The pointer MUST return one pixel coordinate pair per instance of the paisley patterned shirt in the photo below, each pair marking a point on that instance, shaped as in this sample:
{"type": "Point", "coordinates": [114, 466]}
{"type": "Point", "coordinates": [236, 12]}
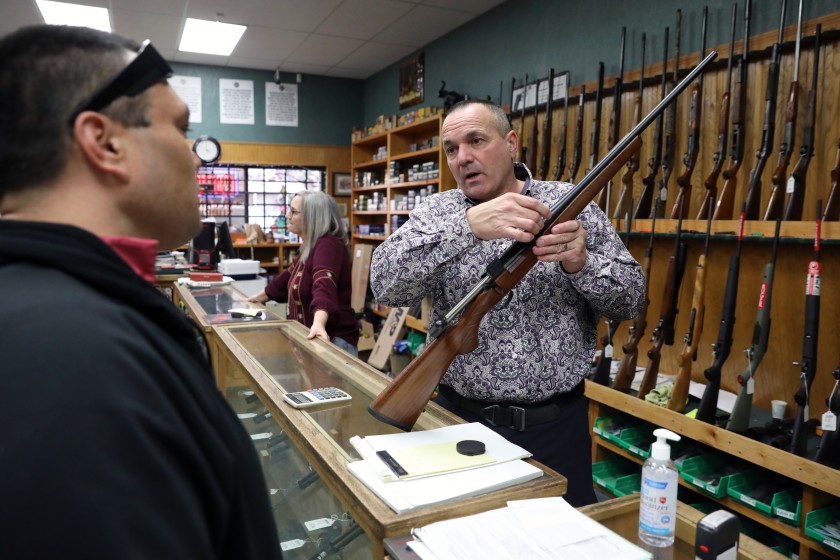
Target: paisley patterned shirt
{"type": "Point", "coordinates": [539, 344]}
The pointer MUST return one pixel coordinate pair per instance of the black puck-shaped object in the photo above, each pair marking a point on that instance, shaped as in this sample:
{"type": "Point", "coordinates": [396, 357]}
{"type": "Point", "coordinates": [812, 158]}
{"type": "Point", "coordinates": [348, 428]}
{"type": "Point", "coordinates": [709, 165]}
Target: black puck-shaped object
{"type": "Point", "coordinates": [469, 447]}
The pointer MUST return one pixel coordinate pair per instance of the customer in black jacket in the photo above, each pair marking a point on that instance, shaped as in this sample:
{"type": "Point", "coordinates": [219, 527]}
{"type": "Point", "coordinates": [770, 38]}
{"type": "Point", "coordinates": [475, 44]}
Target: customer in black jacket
{"type": "Point", "coordinates": [114, 442]}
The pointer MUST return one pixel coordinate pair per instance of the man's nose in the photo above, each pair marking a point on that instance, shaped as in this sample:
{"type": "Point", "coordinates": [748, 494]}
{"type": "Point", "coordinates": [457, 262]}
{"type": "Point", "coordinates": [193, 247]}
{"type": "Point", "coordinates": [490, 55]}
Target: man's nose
{"type": "Point", "coordinates": [465, 155]}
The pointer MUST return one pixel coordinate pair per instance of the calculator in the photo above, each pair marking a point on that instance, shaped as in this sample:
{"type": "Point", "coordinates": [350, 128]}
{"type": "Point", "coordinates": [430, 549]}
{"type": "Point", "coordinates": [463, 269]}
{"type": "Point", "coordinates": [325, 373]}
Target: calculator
{"type": "Point", "coordinates": [312, 397]}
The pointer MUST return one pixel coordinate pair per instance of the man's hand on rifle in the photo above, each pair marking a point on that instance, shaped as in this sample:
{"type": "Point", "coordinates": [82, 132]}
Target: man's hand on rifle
{"type": "Point", "coordinates": [564, 243]}
{"type": "Point", "coordinates": [509, 216]}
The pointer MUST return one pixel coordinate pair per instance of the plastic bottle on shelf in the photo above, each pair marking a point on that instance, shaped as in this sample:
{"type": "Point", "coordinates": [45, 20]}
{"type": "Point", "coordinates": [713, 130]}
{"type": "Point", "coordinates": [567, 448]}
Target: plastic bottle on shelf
{"type": "Point", "coordinates": [658, 500]}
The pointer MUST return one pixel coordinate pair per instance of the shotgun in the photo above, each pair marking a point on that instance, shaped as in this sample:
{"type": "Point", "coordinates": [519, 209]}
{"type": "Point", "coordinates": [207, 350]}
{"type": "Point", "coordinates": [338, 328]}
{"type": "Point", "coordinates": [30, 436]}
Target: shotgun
{"type": "Point", "coordinates": [753, 198]}
{"type": "Point", "coordinates": [739, 419]}
{"type": "Point", "coordinates": [512, 100]}
{"type": "Point", "coordinates": [561, 137]}
{"type": "Point", "coordinates": [545, 156]}
{"type": "Point", "coordinates": [808, 365]}
{"type": "Point", "coordinates": [645, 205]}
{"type": "Point", "coordinates": [625, 204]}
{"type": "Point", "coordinates": [828, 452]}
{"type": "Point", "coordinates": [776, 204]}
{"type": "Point", "coordinates": [615, 124]}
{"type": "Point", "coordinates": [710, 196]}
{"type": "Point", "coordinates": [403, 400]}
{"type": "Point", "coordinates": [832, 207]}
{"type": "Point", "coordinates": [670, 126]}
{"type": "Point", "coordinates": [726, 201]}
{"type": "Point", "coordinates": [577, 147]}
{"type": "Point", "coordinates": [707, 411]}
{"type": "Point", "coordinates": [522, 149]}
{"type": "Point", "coordinates": [796, 183]}
{"type": "Point", "coordinates": [683, 199]}
{"type": "Point", "coordinates": [595, 133]}
{"type": "Point", "coordinates": [679, 394]}
{"type": "Point", "coordinates": [531, 155]}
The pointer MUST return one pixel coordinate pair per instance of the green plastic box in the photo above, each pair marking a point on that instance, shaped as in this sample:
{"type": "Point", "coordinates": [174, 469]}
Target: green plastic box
{"type": "Point", "coordinates": [787, 506]}
{"type": "Point", "coordinates": [818, 517]}
{"type": "Point", "coordinates": [607, 473]}
{"type": "Point", "coordinates": [694, 467]}
{"type": "Point", "coordinates": [604, 426]}
{"type": "Point", "coordinates": [740, 487]}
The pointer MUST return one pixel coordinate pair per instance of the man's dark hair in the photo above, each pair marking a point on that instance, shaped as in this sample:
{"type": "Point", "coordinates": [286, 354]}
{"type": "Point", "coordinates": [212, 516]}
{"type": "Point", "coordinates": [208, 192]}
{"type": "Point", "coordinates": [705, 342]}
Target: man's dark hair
{"type": "Point", "coordinates": [497, 114]}
{"type": "Point", "coordinates": [45, 72]}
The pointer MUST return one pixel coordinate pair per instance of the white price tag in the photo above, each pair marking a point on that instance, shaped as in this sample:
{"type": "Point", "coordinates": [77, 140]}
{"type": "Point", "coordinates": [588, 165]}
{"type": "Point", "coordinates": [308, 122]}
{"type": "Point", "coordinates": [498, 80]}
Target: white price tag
{"type": "Point", "coordinates": [608, 351]}
{"type": "Point", "coordinates": [273, 491]}
{"type": "Point", "coordinates": [805, 413]}
{"type": "Point", "coordinates": [292, 544]}
{"type": "Point", "coordinates": [791, 184]}
{"type": "Point", "coordinates": [751, 386]}
{"type": "Point", "coordinates": [829, 422]}
{"type": "Point", "coordinates": [315, 524]}
{"type": "Point", "coordinates": [246, 415]}
{"type": "Point", "coordinates": [260, 436]}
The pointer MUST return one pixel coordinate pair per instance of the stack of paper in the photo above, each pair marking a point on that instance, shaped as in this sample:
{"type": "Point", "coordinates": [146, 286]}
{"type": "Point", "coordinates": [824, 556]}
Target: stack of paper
{"type": "Point", "coordinates": [432, 471]}
{"type": "Point", "coordinates": [537, 529]}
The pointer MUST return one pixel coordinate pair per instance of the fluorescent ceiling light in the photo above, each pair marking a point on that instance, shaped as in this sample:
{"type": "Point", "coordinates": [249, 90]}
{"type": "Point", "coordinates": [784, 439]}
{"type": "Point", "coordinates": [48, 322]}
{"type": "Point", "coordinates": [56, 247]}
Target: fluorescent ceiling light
{"type": "Point", "coordinates": [62, 13]}
{"type": "Point", "coordinates": [210, 37]}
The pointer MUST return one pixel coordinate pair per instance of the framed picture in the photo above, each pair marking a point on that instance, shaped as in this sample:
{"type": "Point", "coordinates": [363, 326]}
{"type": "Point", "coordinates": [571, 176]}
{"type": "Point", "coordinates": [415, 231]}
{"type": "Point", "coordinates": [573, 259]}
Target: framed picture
{"type": "Point", "coordinates": [342, 184]}
{"type": "Point", "coordinates": [411, 81]}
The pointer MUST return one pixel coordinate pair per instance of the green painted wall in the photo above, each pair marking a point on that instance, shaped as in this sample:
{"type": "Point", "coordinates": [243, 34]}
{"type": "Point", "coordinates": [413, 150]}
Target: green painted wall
{"type": "Point", "coordinates": [328, 108]}
{"type": "Point", "coordinates": [530, 36]}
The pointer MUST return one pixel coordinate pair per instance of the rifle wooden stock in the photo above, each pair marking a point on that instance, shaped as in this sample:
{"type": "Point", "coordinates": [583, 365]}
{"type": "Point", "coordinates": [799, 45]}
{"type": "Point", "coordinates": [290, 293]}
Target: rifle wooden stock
{"type": "Point", "coordinates": [561, 154]}
{"type": "Point", "coordinates": [403, 400]}
{"type": "Point", "coordinates": [726, 201]}
{"type": "Point", "coordinates": [531, 155]}
{"type": "Point", "coordinates": [776, 204]}
{"type": "Point", "coordinates": [683, 199]}
{"type": "Point", "coordinates": [832, 207]}
{"type": "Point", "coordinates": [720, 154]}
{"type": "Point", "coordinates": [627, 367]}
{"type": "Point", "coordinates": [667, 308]}
{"type": "Point", "coordinates": [577, 146]}
{"type": "Point", "coordinates": [679, 394]}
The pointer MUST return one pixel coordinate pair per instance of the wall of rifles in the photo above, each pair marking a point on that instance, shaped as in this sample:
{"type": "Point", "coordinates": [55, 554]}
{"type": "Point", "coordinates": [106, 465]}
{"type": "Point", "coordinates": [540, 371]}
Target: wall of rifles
{"type": "Point", "coordinates": [800, 114]}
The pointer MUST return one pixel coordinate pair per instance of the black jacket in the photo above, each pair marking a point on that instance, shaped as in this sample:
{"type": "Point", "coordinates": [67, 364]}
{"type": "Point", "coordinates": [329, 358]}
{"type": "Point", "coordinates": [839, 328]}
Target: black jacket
{"type": "Point", "coordinates": [114, 442]}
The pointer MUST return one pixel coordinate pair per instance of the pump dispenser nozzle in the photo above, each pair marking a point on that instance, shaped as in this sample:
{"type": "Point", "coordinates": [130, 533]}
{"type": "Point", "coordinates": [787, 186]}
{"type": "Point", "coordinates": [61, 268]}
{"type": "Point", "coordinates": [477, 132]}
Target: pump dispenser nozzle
{"type": "Point", "coordinates": [660, 450]}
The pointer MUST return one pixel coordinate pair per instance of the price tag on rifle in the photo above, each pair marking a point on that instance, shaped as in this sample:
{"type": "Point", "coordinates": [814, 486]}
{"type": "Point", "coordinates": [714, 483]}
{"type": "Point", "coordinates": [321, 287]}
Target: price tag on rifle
{"type": "Point", "coordinates": [292, 544]}
{"type": "Point", "coordinates": [791, 185]}
{"type": "Point", "coordinates": [608, 351]}
{"type": "Point", "coordinates": [829, 422]}
{"type": "Point", "coordinates": [315, 524]}
{"type": "Point", "coordinates": [751, 386]}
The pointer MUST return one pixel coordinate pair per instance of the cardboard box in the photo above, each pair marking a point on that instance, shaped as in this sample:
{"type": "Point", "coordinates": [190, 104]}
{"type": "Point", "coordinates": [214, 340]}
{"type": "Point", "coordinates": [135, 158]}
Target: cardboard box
{"type": "Point", "coordinates": [360, 275]}
{"type": "Point", "coordinates": [392, 331]}
{"type": "Point", "coordinates": [206, 276]}
{"type": "Point", "coordinates": [399, 362]}
{"type": "Point", "coordinates": [366, 338]}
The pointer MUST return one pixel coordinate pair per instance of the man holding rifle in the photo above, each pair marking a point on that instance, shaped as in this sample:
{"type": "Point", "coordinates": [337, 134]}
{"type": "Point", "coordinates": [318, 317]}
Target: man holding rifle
{"type": "Point", "coordinates": [524, 379]}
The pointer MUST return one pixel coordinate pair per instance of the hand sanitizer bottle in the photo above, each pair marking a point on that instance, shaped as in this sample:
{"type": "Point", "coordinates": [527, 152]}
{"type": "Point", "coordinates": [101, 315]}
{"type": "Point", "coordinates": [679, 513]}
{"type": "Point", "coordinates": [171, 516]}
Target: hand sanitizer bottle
{"type": "Point", "coordinates": [658, 500]}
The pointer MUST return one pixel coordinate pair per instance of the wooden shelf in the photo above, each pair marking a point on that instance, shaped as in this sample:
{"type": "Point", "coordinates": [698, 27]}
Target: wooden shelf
{"type": "Point", "coordinates": [414, 184]}
{"type": "Point", "coordinates": [416, 154]}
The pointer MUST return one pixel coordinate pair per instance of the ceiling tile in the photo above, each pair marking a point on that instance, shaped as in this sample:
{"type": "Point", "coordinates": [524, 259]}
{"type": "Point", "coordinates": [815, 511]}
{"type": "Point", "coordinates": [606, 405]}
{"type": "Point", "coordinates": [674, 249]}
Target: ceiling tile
{"type": "Point", "coordinates": [371, 55]}
{"type": "Point", "coordinates": [474, 7]}
{"type": "Point", "coordinates": [324, 50]}
{"type": "Point", "coordinates": [422, 25]}
{"type": "Point", "coordinates": [294, 15]}
{"type": "Point", "coordinates": [164, 31]}
{"type": "Point", "coordinates": [362, 19]}
{"type": "Point", "coordinates": [268, 43]}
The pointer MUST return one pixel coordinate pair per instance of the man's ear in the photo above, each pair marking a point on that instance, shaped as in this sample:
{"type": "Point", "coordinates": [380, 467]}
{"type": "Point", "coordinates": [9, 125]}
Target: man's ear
{"type": "Point", "coordinates": [102, 143]}
{"type": "Point", "coordinates": [512, 140]}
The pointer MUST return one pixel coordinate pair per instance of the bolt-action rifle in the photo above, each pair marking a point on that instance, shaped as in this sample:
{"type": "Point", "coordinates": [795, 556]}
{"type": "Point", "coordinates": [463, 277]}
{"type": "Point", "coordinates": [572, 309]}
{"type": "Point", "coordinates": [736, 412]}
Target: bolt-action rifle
{"type": "Point", "coordinates": [561, 139]}
{"type": "Point", "coordinates": [615, 124]}
{"type": "Point", "coordinates": [753, 198]}
{"type": "Point", "coordinates": [832, 207]}
{"type": "Point", "coordinates": [577, 147]}
{"type": "Point", "coordinates": [531, 157]}
{"type": "Point", "coordinates": [808, 365]}
{"type": "Point", "coordinates": [775, 206]}
{"type": "Point", "coordinates": [726, 201]}
{"type": "Point", "coordinates": [595, 133]}
{"type": "Point", "coordinates": [719, 156]}
{"type": "Point", "coordinates": [645, 205]}
{"type": "Point", "coordinates": [624, 204]}
{"type": "Point", "coordinates": [523, 150]}
{"type": "Point", "coordinates": [739, 419]}
{"type": "Point", "coordinates": [692, 150]}
{"type": "Point", "coordinates": [707, 410]}
{"type": "Point", "coordinates": [546, 146]}
{"type": "Point", "coordinates": [670, 127]}
{"type": "Point", "coordinates": [402, 401]}
{"type": "Point", "coordinates": [828, 452]}
{"type": "Point", "coordinates": [679, 394]}
{"type": "Point", "coordinates": [796, 183]}
{"type": "Point", "coordinates": [663, 333]}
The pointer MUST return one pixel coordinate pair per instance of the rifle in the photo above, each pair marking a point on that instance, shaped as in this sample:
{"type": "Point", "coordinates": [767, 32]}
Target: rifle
{"type": "Point", "coordinates": [739, 419]}
{"type": "Point", "coordinates": [692, 150]}
{"type": "Point", "coordinates": [723, 209]}
{"type": "Point", "coordinates": [775, 205]}
{"type": "Point", "coordinates": [561, 140]}
{"type": "Point", "coordinates": [532, 141]}
{"type": "Point", "coordinates": [601, 375]}
{"type": "Point", "coordinates": [753, 198]}
{"type": "Point", "coordinates": [832, 207]}
{"type": "Point", "coordinates": [615, 124]}
{"type": "Point", "coordinates": [664, 331]}
{"type": "Point", "coordinates": [523, 150]}
{"type": "Point", "coordinates": [828, 452]}
{"type": "Point", "coordinates": [627, 368]}
{"type": "Point", "coordinates": [679, 394]}
{"type": "Point", "coordinates": [808, 365]}
{"type": "Point", "coordinates": [402, 401]}
{"type": "Point", "coordinates": [577, 147]}
{"type": "Point", "coordinates": [622, 207]}
{"type": "Point", "coordinates": [707, 410]}
{"type": "Point", "coordinates": [512, 100]}
{"type": "Point", "coordinates": [796, 183]}
{"type": "Point", "coordinates": [643, 209]}
{"type": "Point", "coordinates": [710, 183]}
{"type": "Point", "coordinates": [669, 126]}
{"type": "Point", "coordinates": [546, 147]}
{"type": "Point", "coordinates": [595, 134]}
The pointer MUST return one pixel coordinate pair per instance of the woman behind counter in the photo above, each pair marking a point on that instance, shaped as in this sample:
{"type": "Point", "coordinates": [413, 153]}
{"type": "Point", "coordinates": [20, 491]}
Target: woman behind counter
{"type": "Point", "coordinates": [317, 284]}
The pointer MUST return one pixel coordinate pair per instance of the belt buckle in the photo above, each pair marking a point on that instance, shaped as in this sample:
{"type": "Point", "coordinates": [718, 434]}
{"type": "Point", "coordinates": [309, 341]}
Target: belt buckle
{"type": "Point", "coordinates": [514, 419]}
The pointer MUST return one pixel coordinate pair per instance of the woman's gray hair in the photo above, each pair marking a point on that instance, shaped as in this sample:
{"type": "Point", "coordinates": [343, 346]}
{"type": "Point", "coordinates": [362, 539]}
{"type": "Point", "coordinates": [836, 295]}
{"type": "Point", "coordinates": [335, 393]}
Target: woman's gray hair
{"type": "Point", "coordinates": [319, 217]}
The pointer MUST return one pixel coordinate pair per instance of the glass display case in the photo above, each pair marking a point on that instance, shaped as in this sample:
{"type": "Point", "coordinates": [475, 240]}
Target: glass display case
{"type": "Point", "coordinates": [305, 451]}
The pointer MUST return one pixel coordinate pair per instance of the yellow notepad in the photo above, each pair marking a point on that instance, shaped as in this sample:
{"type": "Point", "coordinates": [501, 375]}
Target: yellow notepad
{"type": "Point", "coordinates": [421, 460]}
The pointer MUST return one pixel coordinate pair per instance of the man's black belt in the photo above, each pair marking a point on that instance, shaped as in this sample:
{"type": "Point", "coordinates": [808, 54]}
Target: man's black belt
{"type": "Point", "coordinates": [516, 416]}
